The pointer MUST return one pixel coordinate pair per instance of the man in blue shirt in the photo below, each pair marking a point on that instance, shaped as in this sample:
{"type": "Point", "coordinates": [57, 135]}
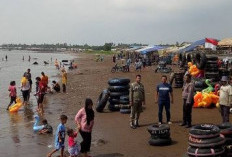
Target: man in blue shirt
{"type": "Point", "coordinates": [164, 91]}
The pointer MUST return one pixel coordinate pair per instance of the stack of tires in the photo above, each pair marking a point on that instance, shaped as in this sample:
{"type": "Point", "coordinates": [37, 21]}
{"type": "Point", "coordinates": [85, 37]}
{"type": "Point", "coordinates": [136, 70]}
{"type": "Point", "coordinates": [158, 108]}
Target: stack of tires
{"type": "Point", "coordinates": [160, 135]}
{"type": "Point", "coordinates": [179, 79]}
{"type": "Point", "coordinates": [102, 100]}
{"type": "Point", "coordinates": [184, 58]}
{"type": "Point", "coordinates": [224, 72]}
{"type": "Point", "coordinates": [211, 68]}
{"type": "Point", "coordinates": [119, 95]}
{"type": "Point", "coordinates": [226, 130]}
{"type": "Point", "coordinates": [206, 140]}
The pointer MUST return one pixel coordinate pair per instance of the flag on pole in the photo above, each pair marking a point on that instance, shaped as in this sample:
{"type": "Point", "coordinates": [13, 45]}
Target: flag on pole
{"type": "Point", "coordinates": [211, 43]}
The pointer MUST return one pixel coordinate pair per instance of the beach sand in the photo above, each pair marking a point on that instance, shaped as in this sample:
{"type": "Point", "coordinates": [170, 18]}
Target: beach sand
{"type": "Point", "coordinates": [112, 136]}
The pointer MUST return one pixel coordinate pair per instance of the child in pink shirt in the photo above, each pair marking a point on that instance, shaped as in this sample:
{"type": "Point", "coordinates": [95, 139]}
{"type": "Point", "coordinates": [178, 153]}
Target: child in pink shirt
{"type": "Point", "coordinates": [73, 147]}
{"type": "Point", "coordinates": [13, 93]}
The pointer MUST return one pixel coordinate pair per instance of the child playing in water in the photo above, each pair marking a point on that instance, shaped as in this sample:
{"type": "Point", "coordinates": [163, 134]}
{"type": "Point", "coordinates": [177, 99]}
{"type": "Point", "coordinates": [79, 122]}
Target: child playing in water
{"type": "Point", "coordinates": [60, 137]}
{"type": "Point", "coordinates": [47, 128]}
{"type": "Point", "coordinates": [73, 147]}
{"type": "Point", "coordinates": [13, 93]}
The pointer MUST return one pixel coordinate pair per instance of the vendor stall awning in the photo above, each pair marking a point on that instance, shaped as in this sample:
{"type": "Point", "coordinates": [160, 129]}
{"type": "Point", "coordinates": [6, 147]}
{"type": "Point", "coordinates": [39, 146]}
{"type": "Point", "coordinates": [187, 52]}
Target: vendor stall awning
{"type": "Point", "coordinates": [225, 42]}
{"type": "Point", "coordinates": [149, 49]}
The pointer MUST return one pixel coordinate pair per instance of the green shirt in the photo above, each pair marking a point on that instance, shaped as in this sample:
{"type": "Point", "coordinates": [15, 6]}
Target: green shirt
{"type": "Point", "coordinates": [137, 92]}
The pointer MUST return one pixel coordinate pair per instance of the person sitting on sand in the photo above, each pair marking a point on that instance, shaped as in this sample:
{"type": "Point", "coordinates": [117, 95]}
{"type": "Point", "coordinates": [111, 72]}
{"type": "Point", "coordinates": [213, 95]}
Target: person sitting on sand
{"type": "Point", "coordinates": [55, 86]}
{"type": "Point", "coordinates": [47, 128]}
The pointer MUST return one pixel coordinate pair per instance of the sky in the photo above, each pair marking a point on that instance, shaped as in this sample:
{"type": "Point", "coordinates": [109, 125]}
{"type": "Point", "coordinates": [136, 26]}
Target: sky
{"type": "Point", "coordinates": [96, 22]}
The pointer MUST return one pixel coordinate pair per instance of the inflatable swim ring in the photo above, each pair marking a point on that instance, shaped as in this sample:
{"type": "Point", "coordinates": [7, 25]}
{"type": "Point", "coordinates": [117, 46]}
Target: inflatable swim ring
{"type": "Point", "coordinates": [16, 107]}
{"type": "Point", "coordinates": [36, 126]}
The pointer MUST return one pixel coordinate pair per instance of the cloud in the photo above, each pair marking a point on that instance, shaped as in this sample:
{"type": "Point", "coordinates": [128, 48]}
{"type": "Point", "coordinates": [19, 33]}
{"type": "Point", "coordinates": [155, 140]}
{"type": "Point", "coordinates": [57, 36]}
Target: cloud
{"type": "Point", "coordinates": [99, 21]}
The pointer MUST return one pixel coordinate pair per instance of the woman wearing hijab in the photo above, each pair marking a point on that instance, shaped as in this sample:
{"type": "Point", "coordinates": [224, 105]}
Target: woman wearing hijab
{"type": "Point", "coordinates": [85, 121]}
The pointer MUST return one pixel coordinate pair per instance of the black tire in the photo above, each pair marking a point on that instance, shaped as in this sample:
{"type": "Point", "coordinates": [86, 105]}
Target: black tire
{"type": "Point", "coordinates": [118, 101]}
{"type": "Point", "coordinates": [205, 151]}
{"type": "Point", "coordinates": [189, 57]}
{"type": "Point", "coordinates": [179, 82]}
{"type": "Point", "coordinates": [162, 129]}
{"type": "Point", "coordinates": [119, 82]}
{"type": "Point", "coordinates": [200, 60]}
{"type": "Point", "coordinates": [211, 66]}
{"type": "Point", "coordinates": [124, 97]}
{"type": "Point", "coordinates": [113, 70]}
{"type": "Point", "coordinates": [118, 88]}
{"type": "Point", "coordinates": [178, 85]}
{"type": "Point", "coordinates": [118, 94]}
{"type": "Point", "coordinates": [167, 135]}
{"type": "Point", "coordinates": [160, 141]}
{"type": "Point", "coordinates": [211, 62]}
{"type": "Point", "coordinates": [113, 108]}
{"type": "Point", "coordinates": [212, 75]}
{"type": "Point", "coordinates": [199, 84]}
{"type": "Point", "coordinates": [226, 129]}
{"type": "Point", "coordinates": [207, 143]}
{"type": "Point", "coordinates": [204, 131]}
{"type": "Point", "coordinates": [179, 79]}
{"type": "Point", "coordinates": [212, 58]}
{"type": "Point", "coordinates": [102, 100]}
{"type": "Point", "coordinates": [211, 70]}
{"type": "Point", "coordinates": [125, 111]}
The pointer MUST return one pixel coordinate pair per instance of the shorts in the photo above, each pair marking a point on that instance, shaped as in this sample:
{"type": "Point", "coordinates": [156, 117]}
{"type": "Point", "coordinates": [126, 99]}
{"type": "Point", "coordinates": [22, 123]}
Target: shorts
{"type": "Point", "coordinates": [25, 95]}
{"type": "Point", "coordinates": [12, 99]}
{"type": "Point", "coordinates": [40, 99]}
{"type": "Point", "coordinates": [75, 150]}
{"type": "Point", "coordinates": [59, 145]}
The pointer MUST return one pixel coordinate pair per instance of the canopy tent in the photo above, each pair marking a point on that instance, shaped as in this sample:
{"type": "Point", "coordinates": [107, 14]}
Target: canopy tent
{"type": "Point", "coordinates": [225, 42]}
{"type": "Point", "coordinates": [131, 49]}
{"type": "Point", "coordinates": [193, 46]}
{"type": "Point", "coordinates": [203, 42]}
{"type": "Point", "coordinates": [149, 49]}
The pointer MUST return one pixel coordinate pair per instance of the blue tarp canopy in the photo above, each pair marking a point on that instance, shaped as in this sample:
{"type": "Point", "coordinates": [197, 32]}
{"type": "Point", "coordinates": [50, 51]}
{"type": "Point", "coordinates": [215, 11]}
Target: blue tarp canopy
{"type": "Point", "coordinates": [193, 46]}
{"type": "Point", "coordinates": [150, 49]}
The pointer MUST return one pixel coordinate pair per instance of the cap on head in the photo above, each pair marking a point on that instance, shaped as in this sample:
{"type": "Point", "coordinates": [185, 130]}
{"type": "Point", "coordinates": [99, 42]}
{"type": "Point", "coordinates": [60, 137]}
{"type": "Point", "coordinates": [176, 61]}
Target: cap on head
{"type": "Point", "coordinates": [224, 79]}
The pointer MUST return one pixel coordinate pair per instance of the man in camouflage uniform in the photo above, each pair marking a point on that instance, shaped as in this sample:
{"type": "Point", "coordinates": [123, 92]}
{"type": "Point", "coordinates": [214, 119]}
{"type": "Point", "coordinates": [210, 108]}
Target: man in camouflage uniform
{"type": "Point", "coordinates": [137, 100]}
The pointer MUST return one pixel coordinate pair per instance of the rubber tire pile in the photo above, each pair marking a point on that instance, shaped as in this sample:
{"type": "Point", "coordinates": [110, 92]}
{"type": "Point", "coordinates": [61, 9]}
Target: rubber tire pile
{"type": "Point", "coordinates": [226, 130]}
{"type": "Point", "coordinates": [206, 140]}
{"type": "Point", "coordinates": [160, 135]}
{"type": "Point", "coordinates": [211, 68]}
{"type": "Point", "coordinates": [119, 95]}
{"type": "Point", "coordinates": [179, 79]}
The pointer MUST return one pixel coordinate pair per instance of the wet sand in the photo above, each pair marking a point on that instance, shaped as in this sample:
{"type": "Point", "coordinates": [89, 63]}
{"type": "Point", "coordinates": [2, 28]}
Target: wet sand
{"type": "Point", "coordinates": [112, 136]}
